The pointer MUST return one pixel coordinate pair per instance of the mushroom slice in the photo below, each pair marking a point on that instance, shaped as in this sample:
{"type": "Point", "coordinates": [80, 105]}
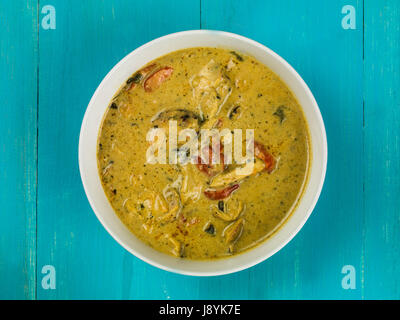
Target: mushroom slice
{"type": "Point", "coordinates": [185, 118]}
{"type": "Point", "coordinates": [209, 228]}
{"type": "Point", "coordinates": [231, 212]}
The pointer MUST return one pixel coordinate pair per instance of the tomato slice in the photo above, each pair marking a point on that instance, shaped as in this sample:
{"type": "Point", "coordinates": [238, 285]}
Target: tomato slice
{"type": "Point", "coordinates": [155, 80]}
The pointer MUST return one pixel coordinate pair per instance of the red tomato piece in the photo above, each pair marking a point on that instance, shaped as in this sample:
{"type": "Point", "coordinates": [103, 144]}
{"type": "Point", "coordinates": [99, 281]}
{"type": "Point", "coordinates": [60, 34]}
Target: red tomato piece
{"type": "Point", "coordinates": [155, 80]}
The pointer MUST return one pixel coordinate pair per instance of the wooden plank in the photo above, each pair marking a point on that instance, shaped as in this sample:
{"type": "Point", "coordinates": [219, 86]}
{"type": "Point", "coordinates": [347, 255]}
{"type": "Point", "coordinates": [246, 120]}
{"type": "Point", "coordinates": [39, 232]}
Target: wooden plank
{"type": "Point", "coordinates": [311, 38]}
{"type": "Point", "coordinates": [18, 96]}
{"type": "Point", "coordinates": [382, 150]}
{"type": "Point", "coordinates": [89, 39]}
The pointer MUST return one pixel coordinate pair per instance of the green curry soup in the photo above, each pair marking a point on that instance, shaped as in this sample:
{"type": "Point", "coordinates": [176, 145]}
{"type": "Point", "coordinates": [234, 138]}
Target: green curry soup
{"type": "Point", "coordinates": [204, 210]}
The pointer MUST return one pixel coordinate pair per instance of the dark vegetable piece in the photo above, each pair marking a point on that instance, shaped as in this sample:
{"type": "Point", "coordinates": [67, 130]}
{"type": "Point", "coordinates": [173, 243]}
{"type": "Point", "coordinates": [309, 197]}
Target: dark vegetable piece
{"type": "Point", "coordinates": [233, 112]}
{"type": "Point", "coordinates": [220, 194]}
{"type": "Point", "coordinates": [239, 57]}
{"type": "Point", "coordinates": [210, 229]}
{"type": "Point", "coordinates": [185, 118]}
{"type": "Point", "coordinates": [280, 113]}
{"type": "Point", "coordinates": [221, 205]}
{"type": "Point", "coordinates": [114, 106]}
{"type": "Point", "coordinates": [177, 114]}
{"type": "Point", "coordinates": [136, 78]}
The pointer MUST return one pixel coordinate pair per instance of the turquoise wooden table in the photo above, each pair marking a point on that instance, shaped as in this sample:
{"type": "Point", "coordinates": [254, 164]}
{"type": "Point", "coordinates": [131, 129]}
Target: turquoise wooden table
{"type": "Point", "coordinates": [53, 55]}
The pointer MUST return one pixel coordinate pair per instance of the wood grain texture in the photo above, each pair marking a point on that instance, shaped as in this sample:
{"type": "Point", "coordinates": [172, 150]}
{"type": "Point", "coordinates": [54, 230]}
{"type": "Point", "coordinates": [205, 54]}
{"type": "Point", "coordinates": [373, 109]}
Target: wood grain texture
{"type": "Point", "coordinates": [18, 95]}
{"type": "Point", "coordinates": [382, 150]}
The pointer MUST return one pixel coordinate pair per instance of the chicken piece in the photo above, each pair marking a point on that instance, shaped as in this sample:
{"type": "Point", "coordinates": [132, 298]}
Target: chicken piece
{"type": "Point", "coordinates": [192, 184]}
{"type": "Point", "coordinates": [231, 210]}
{"type": "Point", "coordinates": [211, 89]}
{"type": "Point", "coordinates": [186, 119]}
{"type": "Point", "coordinates": [237, 174]}
{"type": "Point", "coordinates": [263, 161]}
{"type": "Point", "coordinates": [177, 248]}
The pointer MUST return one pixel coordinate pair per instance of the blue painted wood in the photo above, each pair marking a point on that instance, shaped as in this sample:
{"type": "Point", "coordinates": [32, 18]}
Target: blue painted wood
{"type": "Point", "coordinates": [18, 88]}
{"type": "Point", "coordinates": [349, 226]}
{"type": "Point", "coordinates": [382, 150]}
{"type": "Point", "coordinates": [90, 38]}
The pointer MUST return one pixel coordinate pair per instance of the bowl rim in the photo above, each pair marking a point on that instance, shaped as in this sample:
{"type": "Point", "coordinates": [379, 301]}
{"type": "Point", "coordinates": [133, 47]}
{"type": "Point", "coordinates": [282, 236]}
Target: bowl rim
{"type": "Point", "coordinates": [290, 236]}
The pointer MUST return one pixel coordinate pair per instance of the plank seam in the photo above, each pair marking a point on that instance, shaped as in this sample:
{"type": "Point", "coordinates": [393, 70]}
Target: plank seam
{"type": "Point", "coordinates": [37, 148]}
{"type": "Point", "coordinates": [363, 157]}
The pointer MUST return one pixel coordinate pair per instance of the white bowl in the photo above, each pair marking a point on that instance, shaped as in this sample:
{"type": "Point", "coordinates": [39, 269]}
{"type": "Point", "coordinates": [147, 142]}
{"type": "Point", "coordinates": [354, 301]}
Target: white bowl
{"type": "Point", "coordinates": [98, 105]}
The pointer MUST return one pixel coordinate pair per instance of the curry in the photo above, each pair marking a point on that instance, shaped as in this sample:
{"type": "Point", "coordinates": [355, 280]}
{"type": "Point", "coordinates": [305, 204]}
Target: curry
{"type": "Point", "coordinates": [204, 209]}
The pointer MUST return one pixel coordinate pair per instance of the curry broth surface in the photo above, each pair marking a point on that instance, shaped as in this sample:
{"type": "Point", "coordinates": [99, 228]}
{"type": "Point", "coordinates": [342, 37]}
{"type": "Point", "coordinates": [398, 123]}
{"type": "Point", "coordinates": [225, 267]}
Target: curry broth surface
{"type": "Point", "coordinates": [136, 189]}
